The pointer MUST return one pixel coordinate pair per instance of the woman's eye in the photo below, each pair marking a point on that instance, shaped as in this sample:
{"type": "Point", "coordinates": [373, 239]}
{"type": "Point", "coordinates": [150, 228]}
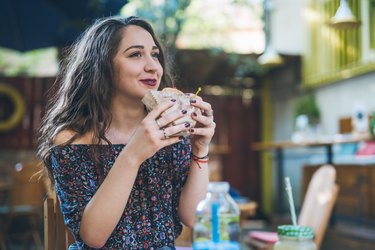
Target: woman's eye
{"type": "Point", "coordinates": [156, 55]}
{"type": "Point", "coordinates": [135, 54]}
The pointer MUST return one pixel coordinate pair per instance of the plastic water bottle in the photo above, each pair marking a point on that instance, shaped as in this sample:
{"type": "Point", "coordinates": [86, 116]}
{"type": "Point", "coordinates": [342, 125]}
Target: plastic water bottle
{"type": "Point", "coordinates": [217, 224]}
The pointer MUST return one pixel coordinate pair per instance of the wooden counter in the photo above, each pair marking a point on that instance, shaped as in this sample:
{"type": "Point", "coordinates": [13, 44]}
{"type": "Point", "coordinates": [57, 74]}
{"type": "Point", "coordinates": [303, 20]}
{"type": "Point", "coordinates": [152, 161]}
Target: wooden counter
{"type": "Point", "coordinates": [279, 146]}
{"type": "Point", "coordinates": [339, 139]}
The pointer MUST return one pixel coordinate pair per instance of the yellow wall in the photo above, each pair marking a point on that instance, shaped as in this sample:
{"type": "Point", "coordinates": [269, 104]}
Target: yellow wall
{"type": "Point", "coordinates": [267, 170]}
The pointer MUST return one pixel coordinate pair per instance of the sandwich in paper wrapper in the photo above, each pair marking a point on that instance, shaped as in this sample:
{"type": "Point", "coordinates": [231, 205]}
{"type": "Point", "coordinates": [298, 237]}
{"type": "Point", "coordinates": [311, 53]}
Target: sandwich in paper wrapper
{"type": "Point", "coordinates": [155, 97]}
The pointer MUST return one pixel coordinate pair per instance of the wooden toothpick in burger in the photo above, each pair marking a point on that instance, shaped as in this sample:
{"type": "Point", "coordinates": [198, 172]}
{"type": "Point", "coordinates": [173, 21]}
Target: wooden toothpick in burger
{"type": "Point", "coordinates": [196, 93]}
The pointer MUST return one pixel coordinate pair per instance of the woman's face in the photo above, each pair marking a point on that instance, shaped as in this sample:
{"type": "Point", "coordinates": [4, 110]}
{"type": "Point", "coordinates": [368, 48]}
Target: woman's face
{"type": "Point", "coordinates": [136, 65]}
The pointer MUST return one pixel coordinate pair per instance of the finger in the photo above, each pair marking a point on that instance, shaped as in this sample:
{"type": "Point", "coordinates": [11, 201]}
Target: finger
{"type": "Point", "coordinates": [205, 106]}
{"type": "Point", "coordinates": [204, 120]}
{"type": "Point", "coordinates": [159, 124]}
{"type": "Point", "coordinates": [172, 140]}
{"type": "Point", "coordinates": [168, 116]}
{"type": "Point", "coordinates": [172, 131]}
{"type": "Point", "coordinates": [156, 112]}
{"type": "Point", "coordinates": [206, 132]}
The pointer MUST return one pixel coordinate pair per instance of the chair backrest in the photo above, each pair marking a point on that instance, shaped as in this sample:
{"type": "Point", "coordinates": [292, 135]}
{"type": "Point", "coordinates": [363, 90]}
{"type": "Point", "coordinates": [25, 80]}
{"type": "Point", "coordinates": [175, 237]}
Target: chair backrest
{"type": "Point", "coordinates": [56, 234]}
{"type": "Point", "coordinates": [26, 190]}
{"type": "Point", "coordinates": [319, 201]}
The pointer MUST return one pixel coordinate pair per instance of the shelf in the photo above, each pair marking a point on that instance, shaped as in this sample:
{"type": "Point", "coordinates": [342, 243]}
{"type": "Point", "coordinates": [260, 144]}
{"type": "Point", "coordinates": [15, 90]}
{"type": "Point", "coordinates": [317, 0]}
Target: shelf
{"type": "Point", "coordinates": [339, 139]}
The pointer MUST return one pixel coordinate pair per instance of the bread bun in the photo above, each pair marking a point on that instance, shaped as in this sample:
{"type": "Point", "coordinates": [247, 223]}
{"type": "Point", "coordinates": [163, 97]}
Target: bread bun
{"type": "Point", "coordinates": [157, 97]}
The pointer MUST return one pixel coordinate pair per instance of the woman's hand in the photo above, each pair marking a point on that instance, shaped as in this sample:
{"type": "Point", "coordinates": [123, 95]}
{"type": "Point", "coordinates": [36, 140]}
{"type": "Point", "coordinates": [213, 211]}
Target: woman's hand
{"type": "Point", "coordinates": [153, 133]}
{"type": "Point", "coordinates": [205, 128]}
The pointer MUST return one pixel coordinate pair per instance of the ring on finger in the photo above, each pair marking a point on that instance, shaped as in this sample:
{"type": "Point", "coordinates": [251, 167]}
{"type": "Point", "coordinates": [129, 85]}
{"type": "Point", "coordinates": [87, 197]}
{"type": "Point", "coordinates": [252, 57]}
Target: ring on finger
{"type": "Point", "coordinates": [164, 134]}
{"type": "Point", "coordinates": [158, 123]}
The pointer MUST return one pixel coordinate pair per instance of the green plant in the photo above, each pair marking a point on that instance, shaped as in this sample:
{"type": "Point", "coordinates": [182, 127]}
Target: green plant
{"type": "Point", "coordinates": [167, 17]}
{"type": "Point", "coordinates": [306, 105]}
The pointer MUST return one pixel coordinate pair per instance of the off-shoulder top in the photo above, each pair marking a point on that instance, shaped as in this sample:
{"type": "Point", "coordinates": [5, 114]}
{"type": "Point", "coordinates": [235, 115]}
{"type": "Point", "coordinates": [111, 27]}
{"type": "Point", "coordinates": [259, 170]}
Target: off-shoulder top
{"type": "Point", "coordinates": [150, 219]}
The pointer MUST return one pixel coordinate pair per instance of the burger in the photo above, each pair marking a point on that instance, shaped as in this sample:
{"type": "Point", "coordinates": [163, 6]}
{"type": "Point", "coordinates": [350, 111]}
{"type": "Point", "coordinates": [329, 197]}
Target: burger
{"type": "Point", "coordinates": [154, 98]}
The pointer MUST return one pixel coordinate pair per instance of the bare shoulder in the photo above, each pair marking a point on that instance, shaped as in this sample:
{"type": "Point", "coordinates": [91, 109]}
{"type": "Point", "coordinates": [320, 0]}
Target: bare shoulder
{"type": "Point", "coordinates": [65, 135]}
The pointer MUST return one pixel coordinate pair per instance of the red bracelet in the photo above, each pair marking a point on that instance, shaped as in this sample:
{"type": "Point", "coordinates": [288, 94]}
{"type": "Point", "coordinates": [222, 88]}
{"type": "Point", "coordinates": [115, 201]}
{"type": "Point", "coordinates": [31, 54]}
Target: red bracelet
{"type": "Point", "coordinates": [198, 160]}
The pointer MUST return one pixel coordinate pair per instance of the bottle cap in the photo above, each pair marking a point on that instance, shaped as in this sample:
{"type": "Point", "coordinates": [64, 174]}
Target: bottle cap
{"type": "Point", "coordinates": [218, 186]}
{"type": "Point", "coordinates": [295, 231]}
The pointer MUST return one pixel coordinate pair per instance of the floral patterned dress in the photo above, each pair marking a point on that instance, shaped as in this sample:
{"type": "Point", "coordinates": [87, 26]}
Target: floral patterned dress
{"type": "Point", "coordinates": [150, 218]}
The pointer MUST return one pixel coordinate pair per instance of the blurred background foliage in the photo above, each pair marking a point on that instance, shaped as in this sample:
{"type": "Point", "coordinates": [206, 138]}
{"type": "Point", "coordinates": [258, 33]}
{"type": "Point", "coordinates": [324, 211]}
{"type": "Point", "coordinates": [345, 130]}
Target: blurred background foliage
{"type": "Point", "coordinates": [41, 62]}
{"type": "Point", "coordinates": [220, 26]}
{"type": "Point", "coordinates": [167, 17]}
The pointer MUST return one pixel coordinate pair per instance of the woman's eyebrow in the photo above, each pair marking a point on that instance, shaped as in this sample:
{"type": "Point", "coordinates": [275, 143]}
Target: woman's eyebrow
{"type": "Point", "coordinates": [134, 47]}
{"type": "Point", "coordinates": [140, 47]}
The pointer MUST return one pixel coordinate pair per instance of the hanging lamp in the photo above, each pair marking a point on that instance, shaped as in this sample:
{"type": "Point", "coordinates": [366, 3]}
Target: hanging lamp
{"type": "Point", "coordinates": [270, 57]}
{"type": "Point", "coordinates": [344, 18]}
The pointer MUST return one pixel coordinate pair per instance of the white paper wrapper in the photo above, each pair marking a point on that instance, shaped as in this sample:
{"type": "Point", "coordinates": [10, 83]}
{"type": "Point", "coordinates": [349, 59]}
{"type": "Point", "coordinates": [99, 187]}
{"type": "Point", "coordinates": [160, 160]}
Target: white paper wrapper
{"type": "Point", "coordinates": [154, 98]}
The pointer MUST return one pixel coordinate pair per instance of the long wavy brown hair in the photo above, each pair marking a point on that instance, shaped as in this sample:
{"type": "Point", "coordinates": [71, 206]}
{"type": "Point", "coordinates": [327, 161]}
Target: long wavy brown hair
{"type": "Point", "coordinates": [86, 87]}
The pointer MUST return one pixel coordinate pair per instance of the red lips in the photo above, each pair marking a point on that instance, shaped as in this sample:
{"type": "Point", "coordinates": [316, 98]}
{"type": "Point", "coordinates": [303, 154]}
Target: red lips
{"type": "Point", "coordinates": [149, 82]}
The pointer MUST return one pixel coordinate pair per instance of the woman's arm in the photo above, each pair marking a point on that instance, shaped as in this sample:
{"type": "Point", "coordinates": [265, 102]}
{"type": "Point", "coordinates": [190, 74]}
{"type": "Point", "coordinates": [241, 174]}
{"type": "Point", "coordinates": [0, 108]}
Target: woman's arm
{"type": "Point", "coordinates": [196, 185]}
{"type": "Point", "coordinates": [193, 192]}
{"type": "Point", "coordinates": [104, 210]}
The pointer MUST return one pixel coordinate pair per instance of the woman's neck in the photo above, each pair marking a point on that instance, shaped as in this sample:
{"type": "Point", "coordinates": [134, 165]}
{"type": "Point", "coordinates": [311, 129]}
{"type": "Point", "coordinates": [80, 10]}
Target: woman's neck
{"type": "Point", "coordinates": [125, 121]}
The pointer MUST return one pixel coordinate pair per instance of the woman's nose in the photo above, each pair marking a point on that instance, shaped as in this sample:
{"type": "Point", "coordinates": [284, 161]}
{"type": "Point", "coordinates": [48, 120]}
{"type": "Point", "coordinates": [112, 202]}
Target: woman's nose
{"type": "Point", "coordinates": [151, 64]}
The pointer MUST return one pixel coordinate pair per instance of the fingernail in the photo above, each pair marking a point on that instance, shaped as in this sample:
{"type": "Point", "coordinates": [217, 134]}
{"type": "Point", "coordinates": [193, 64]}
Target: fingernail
{"type": "Point", "coordinates": [183, 111]}
{"type": "Point", "coordinates": [192, 130]}
{"type": "Point", "coordinates": [187, 125]}
{"type": "Point", "coordinates": [180, 137]}
{"type": "Point", "coordinates": [173, 100]}
{"type": "Point", "coordinates": [193, 100]}
{"type": "Point", "coordinates": [194, 114]}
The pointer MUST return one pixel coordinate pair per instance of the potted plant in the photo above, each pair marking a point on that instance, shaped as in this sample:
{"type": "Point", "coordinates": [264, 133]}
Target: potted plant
{"type": "Point", "coordinates": [306, 105]}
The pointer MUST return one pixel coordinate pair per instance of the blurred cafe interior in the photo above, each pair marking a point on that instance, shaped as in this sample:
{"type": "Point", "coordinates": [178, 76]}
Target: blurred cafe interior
{"type": "Point", "coordinates": [292, 85]}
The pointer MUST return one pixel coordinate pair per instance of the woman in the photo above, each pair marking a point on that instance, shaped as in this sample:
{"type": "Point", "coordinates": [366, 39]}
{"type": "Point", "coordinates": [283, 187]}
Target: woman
{"type": "Point", "coordinates": [122, 180]}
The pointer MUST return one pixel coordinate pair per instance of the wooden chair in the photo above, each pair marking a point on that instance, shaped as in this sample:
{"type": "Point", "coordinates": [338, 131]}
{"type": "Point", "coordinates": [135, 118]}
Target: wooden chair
{"type": "Point", "coordinates": [2, 242]}
{"type": "Point", "coordinates": [316, 209]}
{"type": "Point", "coordinates": [319, 201]}
{"type": "Point", "coordinates": [56, 234]}
{"type": "Point", "coordinates": [26, 201]}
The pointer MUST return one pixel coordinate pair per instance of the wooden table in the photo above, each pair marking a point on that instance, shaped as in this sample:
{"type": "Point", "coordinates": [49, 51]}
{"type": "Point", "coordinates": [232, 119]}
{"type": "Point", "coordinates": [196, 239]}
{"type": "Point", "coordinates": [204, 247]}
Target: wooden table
{"type": "Point", "coordinates": [279, 146]}
{"type": "Point", "coordinates": [246, 210]}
